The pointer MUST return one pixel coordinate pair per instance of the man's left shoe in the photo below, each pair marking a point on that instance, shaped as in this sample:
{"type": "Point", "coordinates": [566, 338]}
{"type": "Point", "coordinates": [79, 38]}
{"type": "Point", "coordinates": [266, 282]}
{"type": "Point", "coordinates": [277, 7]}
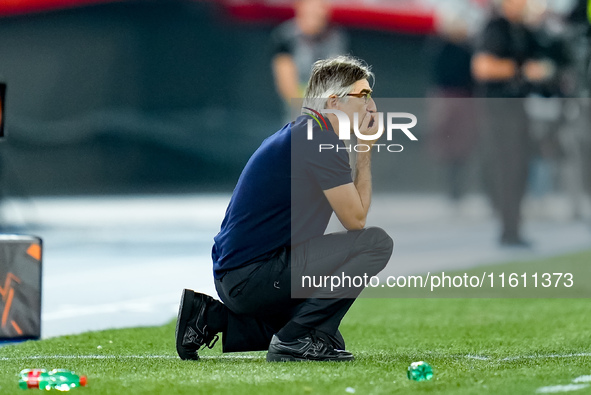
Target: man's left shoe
{"type": "Point", "coordinates": [192, 331]}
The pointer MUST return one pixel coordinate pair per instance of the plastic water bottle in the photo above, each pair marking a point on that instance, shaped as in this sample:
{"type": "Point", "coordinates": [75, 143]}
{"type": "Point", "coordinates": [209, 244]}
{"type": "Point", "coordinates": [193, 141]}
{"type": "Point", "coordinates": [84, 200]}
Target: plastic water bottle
{"type": "Point", "coordinates": [420, 371]}
{"type": "Point", "coordinates": [58, 379]}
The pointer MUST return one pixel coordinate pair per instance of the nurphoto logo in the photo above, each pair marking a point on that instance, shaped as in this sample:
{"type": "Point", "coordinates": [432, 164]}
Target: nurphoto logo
{"type": "Point", "coordinates": [345, 129]}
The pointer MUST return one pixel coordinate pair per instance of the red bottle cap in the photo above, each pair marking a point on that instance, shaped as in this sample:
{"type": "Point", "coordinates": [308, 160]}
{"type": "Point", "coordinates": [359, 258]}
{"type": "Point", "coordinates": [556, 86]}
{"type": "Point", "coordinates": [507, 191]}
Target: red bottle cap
{"type": "Point", "coordinates": [33, 378]}
{"type": "Point", "coordinates": [83, 381]}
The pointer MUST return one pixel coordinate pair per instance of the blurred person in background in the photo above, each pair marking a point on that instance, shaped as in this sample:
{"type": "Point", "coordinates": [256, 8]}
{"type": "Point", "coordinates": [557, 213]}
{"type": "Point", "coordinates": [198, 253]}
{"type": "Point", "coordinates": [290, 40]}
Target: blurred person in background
{"type": "Point", "coordinates": [451, 116]}
{"type": "Point", "coordinates": [301, 41]}
{"type": "Point", "coordinates": [506, 62]}
{"type": "Point", "coordinates": [575, 135]}
{"type": "Point", "coordinates": [544, 105]}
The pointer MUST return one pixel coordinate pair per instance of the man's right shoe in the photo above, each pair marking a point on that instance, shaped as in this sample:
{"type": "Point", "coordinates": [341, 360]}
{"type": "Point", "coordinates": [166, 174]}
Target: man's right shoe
{"type": "Point", "coordinates": [309, 348]}
{"type": "Point", "coordinates": [191, 330]}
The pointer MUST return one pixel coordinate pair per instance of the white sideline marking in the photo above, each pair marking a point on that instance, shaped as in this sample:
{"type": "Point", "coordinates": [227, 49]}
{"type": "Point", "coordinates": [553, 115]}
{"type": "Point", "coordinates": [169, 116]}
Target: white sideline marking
{"type": "Point", "coordinates": [125, 357]}
{"type": "Point", "coordinates": [90, 357]}
{"type": "Point", "coordinates": [478, 357]}
{"type": "Point", "coordinates": [539, 356]}
{"type": "Point", "coordinates": [582, 354]}
{"type": "Point", "coordinates": [561, 388]}
{"type": "Point", "coordinates": [582, 379]}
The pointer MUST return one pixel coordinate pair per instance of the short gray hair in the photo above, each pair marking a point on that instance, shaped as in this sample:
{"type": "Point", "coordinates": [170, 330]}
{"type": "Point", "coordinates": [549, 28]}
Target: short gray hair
{"type": "Point", "coordinates": [334, 76]}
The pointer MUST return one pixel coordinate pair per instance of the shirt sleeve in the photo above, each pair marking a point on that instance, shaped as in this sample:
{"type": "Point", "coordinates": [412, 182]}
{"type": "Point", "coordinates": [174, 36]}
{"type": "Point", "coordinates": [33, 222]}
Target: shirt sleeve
{"type": "Point", "coordinates": [330, 168]}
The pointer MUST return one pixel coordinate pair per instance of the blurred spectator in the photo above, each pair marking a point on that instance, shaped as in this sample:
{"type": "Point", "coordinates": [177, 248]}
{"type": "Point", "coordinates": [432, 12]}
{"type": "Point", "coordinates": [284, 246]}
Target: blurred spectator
{"type": "Point", "coordinates": [544, 105]}
{"type": "Point", "coordinates": [301, 41]}
{"type": "Point", "coordinates": [507, 61]}
{"type": "Point", "coordinates": [575, 136]}
{"type": "Point", "coordinates": [451, 115]}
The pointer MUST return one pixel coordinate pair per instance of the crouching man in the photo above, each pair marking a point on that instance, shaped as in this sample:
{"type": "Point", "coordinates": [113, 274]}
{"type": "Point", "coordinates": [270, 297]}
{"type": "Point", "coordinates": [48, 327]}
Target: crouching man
{"type": "Point", "coordinates": [273, 233]}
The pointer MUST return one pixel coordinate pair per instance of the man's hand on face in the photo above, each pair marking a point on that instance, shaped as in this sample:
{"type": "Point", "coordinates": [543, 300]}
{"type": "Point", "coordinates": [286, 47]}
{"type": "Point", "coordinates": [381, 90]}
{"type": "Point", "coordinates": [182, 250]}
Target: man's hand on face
{"type": "Point", "coordinates": [368, 126]}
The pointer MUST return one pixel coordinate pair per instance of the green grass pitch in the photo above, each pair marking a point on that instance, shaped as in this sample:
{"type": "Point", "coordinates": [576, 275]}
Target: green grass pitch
{"type": "Point", "coordinates": [476, 346]}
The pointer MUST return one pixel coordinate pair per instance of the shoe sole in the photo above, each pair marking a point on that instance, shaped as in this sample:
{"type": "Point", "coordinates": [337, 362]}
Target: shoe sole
{"type": "Point", "coordinates": [181, 325]}
{"type": "Point", "coordinates": [272, 357]}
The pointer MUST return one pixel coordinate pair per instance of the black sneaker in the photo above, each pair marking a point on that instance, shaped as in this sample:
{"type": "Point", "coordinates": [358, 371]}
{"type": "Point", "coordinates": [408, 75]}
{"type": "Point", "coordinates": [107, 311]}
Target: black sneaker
{"type": "Point", "coordinates": [191, 330]}
{"type": "Point", "coordinates": [309, 348]}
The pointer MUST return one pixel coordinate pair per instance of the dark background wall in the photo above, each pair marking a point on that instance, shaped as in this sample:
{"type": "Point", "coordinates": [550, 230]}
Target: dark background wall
{"type": "Point", "coordinates": [157, 96]}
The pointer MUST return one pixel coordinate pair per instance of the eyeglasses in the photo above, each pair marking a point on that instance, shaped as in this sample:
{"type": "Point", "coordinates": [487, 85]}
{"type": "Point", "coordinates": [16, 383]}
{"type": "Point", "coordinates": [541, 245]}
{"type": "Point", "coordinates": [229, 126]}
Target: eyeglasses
{"type": "Point", "coordinates": [363, 95]}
